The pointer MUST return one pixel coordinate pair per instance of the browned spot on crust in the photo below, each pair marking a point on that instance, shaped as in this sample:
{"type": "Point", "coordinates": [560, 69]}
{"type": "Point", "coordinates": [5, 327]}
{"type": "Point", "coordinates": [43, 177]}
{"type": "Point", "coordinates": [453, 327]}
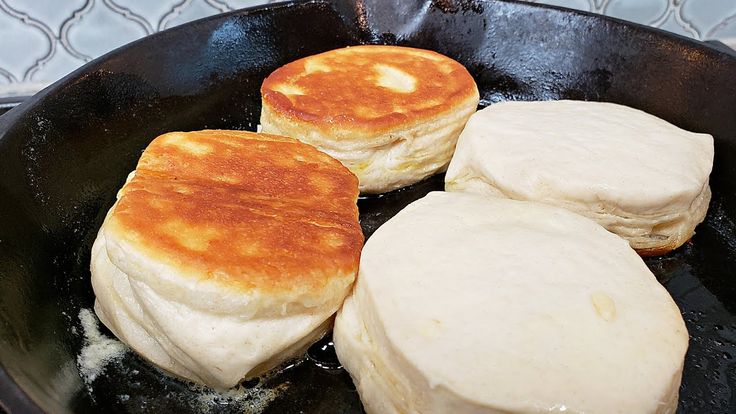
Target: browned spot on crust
{"type": "Point", "coordinates": [393, 85]}
{"type": "Point", "coordinates": [249, 210]}
{"type": "Point", "coordinates": [656, 251]}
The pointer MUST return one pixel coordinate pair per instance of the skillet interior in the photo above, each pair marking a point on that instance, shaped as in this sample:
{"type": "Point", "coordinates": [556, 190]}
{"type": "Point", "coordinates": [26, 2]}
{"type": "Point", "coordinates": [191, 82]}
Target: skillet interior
{"type": "Point", "coordinates": [65, 152]}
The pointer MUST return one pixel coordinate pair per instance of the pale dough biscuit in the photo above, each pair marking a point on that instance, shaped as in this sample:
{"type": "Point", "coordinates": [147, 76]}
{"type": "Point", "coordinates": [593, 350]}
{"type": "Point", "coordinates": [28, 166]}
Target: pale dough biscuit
{"type": "Point", "coordinates": [471, 304]}
{"type": "Point", "coordinates": [635, 174]}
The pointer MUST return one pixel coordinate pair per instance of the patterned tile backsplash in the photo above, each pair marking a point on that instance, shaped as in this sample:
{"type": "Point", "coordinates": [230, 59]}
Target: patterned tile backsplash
{"type": "Point", "coordinates": [42, 40]}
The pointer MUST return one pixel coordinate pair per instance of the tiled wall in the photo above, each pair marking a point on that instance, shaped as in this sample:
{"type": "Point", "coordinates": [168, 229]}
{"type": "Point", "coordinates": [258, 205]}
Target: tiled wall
{"type": "Point", "coordinates": [41, 40]}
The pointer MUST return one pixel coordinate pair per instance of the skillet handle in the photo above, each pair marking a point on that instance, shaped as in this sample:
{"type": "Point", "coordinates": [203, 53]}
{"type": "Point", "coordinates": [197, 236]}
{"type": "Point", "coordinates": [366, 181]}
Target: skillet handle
{"type": "Point", "coordinates": [10, 102]}
{"type": "Point", "coordinates": [6, 104]}
{"type": "Point", "coordinates": [716, 44]}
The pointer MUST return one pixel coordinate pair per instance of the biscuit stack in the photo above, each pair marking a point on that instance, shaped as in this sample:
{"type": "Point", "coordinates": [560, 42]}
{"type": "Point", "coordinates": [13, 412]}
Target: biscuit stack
{"type": "Point", "coordinates": [228, 252]}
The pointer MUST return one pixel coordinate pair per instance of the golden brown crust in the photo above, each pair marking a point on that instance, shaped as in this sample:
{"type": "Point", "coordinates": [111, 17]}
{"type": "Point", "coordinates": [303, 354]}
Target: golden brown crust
{"type": "Point", "coordinates": [370, 88]}
{"type": "Point", "coordinates": [252, 211]}
{"type": "Point", "coordinates": [658, 251]}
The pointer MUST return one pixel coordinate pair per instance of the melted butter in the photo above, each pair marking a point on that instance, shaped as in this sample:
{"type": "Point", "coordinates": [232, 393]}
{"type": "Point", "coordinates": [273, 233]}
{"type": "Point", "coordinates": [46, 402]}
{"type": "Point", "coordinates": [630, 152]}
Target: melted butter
{"type": "Point", "coordinates": [192, 147]}
{"type": "Point", "coordinates": [288, 89]}
{"type": "Point", "coordinates": [192, 237]}
{"type": "Point", "coordinates": [315, 65]}
{"type": "Point", "coordinates": [395, 79]}
{"type": "Point", "coordinates": [604, 306]}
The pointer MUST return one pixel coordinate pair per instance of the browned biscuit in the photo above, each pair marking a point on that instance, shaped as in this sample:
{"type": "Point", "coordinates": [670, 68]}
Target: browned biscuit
{"type": "Point", "coordinates": [371, 88]}
{"type": "Point", "coordinates": [250, 210]}
{"type": "Point", "coordinates": [227, 253]}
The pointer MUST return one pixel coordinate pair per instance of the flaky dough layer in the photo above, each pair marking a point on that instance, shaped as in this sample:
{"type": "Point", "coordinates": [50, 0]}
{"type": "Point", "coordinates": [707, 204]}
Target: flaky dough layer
{"type": "Point", "coordinates": [635, 174]}
{"type": "Point", "coordinates": [226, 253]}
{"type": "Point", "coordinates": [471, 304]}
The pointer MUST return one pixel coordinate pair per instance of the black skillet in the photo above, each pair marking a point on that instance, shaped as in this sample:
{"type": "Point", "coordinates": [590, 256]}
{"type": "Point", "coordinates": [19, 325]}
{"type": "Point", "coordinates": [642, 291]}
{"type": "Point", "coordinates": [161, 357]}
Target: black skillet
{"type": "Point", "coordinates": [65, 152]}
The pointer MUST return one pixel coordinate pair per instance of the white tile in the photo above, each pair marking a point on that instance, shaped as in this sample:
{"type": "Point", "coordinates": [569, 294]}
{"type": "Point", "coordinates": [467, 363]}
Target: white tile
{"type": "Point", "coordinates": [240, 4]}
{"type": "Point", "coordinates": [21, 47]}
{"type": "Point", "coordinates": [724, 30]}
{"type": "Point", "coordinates": [673, 23]}
{"type": "Point", "coordinates": [730, 42]}
{"type": "Point", "coordinates": [53, 13]}
{"type": "Point", "coordinates": [61, 63]}
{"type": "Point", "coordinates": [151, 11]}
{"type": "Point", "coordinates": [101, 31]}
{"type": "Point", "coordinates": [21, 88]}
{"type": "Point", "coordinates": [193, 11]}
{"type": "Point", "coordinates": [641, 11]}
{"type": "Point", "coordinates": [706, 15]}
{"type": "Point", "coordinates": [571, 4]}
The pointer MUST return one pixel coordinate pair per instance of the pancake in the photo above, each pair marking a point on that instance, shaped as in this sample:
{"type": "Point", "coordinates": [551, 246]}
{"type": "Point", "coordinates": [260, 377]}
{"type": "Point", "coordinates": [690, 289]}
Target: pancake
{"type": "Point", "coordinates": [470, 304]}
{"type": "Point", "coordinates": [390, 114]}
{"type": "Point", "coordinates": [635, 174]}
{"type": "Point", "coordinates": [226, 253]}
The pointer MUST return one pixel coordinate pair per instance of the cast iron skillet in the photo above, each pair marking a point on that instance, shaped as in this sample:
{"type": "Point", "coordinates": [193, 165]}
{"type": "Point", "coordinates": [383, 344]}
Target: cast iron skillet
{"type": "Point", "coordinates": [65, 152]}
